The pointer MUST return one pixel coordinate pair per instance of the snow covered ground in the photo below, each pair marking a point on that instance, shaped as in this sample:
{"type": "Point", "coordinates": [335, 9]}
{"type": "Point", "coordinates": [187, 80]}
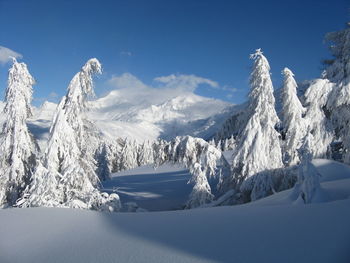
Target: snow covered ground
{"type": "Point", "coordinates": [162, 189]}
{"type": "Point", "coordinates": [264, 231]}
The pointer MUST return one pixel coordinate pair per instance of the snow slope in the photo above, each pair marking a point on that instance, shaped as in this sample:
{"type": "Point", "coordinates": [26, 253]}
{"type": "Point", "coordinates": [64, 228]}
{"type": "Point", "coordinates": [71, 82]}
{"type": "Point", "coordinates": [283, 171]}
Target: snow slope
{"type": "Point", "coordinates": [335, 183]}
{"type": "Point", "coordinates": [264, 231]}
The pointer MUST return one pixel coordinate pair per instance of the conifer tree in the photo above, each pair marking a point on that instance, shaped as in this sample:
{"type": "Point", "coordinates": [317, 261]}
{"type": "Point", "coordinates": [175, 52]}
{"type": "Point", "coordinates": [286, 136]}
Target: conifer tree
{"type": "Point", "coordinates": [17, 146]}
{"type": "Point", "coordinates": [308, 185]}
{"type": "Point", "coordinates": [338, 72]}
{"type": "Point", "coordinates": [294, 126]}
{"type": "Point", "coordinates": [258, 148]}
{"type": "Point", "coordinates": [318, 124]}
{"type": "Point", "coordinates": [201, 192]}
{"type": "Point", "coordinates": [66, 177]}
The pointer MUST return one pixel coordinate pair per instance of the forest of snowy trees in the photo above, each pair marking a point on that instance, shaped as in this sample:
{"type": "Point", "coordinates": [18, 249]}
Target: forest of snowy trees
{"type": "Point", "coordinates": [270, 149]}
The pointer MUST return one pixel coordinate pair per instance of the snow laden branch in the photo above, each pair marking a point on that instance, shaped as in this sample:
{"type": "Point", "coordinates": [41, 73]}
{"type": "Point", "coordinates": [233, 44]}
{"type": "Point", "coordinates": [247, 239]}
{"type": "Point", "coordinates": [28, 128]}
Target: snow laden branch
{"type": "Point", "coordinates": [17, 146]}
{"type": "Point", "coordinates": [66, 175]}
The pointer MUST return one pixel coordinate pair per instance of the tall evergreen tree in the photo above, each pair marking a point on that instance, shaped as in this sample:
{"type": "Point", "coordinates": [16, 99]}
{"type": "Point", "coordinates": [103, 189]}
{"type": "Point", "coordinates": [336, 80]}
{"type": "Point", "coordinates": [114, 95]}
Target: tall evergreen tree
{"type": "Point", "coordinates": [128, 155]}
{"type": "Point", "coordinates": [339, 73]}
{"type": "Point", "coordinates": [318, 124]}
{"type": "Point", "coordinates": [17, 145]}
{"type": "Point", "coordinates": [201, 192]}
{"type": "Point", "coordinates": [145, 154]}
{"type": "Point", "coordinates": [258, 148]}
{"type": "Point", "coordinates": [67, 174]}
{"type": "Point", "coordinates": [294, 126]}
{"type": "Point", "coordinates": [308, 184]}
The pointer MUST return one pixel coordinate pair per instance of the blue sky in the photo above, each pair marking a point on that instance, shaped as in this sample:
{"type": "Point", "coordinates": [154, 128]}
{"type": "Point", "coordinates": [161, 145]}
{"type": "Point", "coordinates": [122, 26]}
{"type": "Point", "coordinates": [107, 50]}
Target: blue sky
{"type": "Point", "coordinates": [151, 39]}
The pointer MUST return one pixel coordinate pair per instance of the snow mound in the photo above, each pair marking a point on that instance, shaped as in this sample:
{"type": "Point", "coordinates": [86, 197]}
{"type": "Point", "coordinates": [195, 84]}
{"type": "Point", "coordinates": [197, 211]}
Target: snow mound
{"type": "Point", "coordinates": [335, 185]}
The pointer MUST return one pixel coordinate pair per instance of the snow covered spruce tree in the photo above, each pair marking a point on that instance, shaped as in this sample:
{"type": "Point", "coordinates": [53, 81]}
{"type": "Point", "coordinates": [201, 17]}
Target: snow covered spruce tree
{"type": "Point", "coordinates": [318, 124]}
{"type": "Point", "coordinates": [66, 176]}
{"type": "Point", "coordinates": [128, 155]}
{"type": "Point", "coordinates": [104, 166]}
{"type": "Point", "coordinates": [17, 146]}
{"type": "Point", "coordinates": [338, 72]}
{"type": "Point", "coordinates": [145, 154]}
{"type": "Point", "coordinates": [294, 126]}
{"type": "Point", "coordinates": [308, 188]}
{"type": "Point", "coordinates": [258, 151]}
{"type": "Point", "coordinates": [204, 161]}
{"type": "Point", "coordinates": [201, 192]}
{"type": "Point", "coordinates": [159, 152]}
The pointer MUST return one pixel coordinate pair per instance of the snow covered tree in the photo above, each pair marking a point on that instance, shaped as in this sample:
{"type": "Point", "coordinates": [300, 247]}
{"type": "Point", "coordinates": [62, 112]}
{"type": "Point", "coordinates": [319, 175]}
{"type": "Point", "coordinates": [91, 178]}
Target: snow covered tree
{"type": "Point", "coordinates": [17, 146]}
{"type": "Point", "coordinates": [258, 148]}
{"type": "Point", "coordinates": [201, 192]}
{"type": "Point", "coordinates": [338, 72]}
{"type": "Point", "coordinates": [103, 162]}
{"type": "Point", "coordinates": [212, 142]}
{"type": "Point", "coordinates": [319, 125]}
{"type": "Point", "coordinates": [294, 126]}
{"type": "Point", "coordinates": [231, 143]}
{"type": "Point", "coordinates": [225, 146]}
{"type": "Point", "coordinates": [308, 187]}
{"type": "Point", "coordinates": [159, 154]}
{"type": "Point", "coordinates": [218, 145]}
{"type": "Point", "coordinates": [338, 69]}
{"type": "Point", "coordinates": [145, 154]}
{"type": "Point", "coordinates": [128, 155]}
{"type": "Point", "coordinates": [257, 186]}
{"type": "Point", "coordinates": [204, 161]}
{"type": "Point", "coordinates": [66, 177]}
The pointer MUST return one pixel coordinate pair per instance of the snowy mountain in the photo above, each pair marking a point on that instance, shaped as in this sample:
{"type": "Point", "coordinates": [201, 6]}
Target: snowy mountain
{"type": "Point", "coordinates": [188, 114]}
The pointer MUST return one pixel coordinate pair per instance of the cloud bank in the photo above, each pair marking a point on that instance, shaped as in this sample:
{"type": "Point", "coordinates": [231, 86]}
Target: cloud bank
{"type": "Point", "coordinates": [185, 82]}
{"type": "Point", "coordinates": [6, 54]}
{"type": "Point", "coordinates": [133, 90]}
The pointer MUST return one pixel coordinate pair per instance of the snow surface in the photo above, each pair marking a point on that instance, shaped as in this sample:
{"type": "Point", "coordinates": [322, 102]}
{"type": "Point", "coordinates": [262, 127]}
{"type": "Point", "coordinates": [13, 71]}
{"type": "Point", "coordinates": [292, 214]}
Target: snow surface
{"type": "Point", "coordinates": [162, 189]}
{"type": "Point", "coordinates": [263, 231]}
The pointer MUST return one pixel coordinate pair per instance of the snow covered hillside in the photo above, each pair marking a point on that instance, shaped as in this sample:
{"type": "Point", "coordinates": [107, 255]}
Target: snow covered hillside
{"type": "Point", "coordinates": [188, 114]}
{"type": "Point", "coordinates": [263, 231]}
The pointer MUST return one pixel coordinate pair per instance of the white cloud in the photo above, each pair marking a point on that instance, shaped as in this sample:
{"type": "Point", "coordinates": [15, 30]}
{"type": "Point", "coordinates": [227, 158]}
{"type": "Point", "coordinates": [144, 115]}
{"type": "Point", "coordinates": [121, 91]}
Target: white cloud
{"type": "Point", "coordinates": [6, 54]}
{"type": "Point", "coordinates": [125, 81]}
{"type": "Point", "coordinates": [228, 88]}
{"type": "Point", "coordinates": [133, 90]}
{"type": "Point", "coordinates": [126, 53]}
{"type": "Point", "coordinates": [185, 82]}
